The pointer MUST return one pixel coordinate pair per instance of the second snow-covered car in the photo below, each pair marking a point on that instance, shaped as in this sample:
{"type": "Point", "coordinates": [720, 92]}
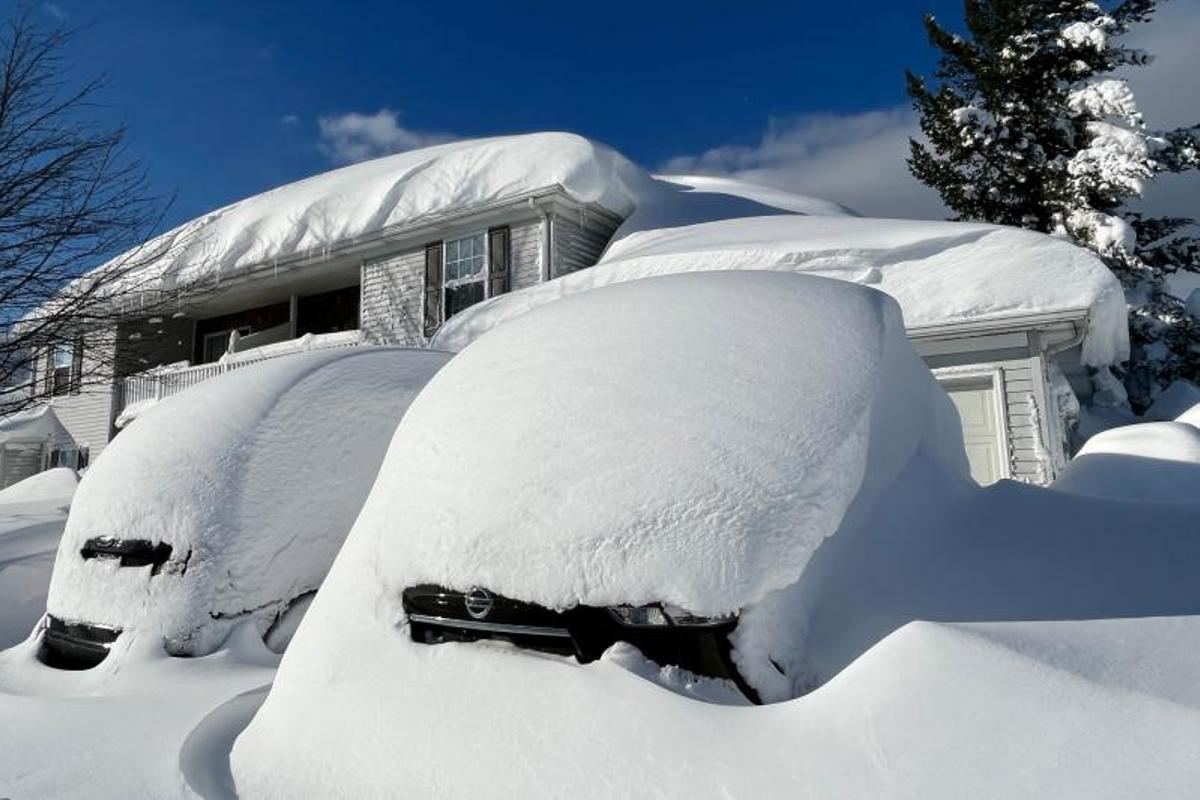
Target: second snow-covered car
{"type": "Point", "coordinates": [226, 503]}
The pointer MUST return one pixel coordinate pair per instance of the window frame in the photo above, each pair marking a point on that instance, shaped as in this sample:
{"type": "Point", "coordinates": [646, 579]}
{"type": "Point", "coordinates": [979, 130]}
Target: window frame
{"type": "Point", "coordinates": [483, 276]}
{"type": "Point", "coordinates": [243, 330]}
{"type": "Point", "coordinates": [61, 384]}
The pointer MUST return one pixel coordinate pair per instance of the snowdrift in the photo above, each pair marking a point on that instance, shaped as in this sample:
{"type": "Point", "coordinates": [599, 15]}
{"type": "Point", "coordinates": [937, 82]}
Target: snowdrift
{"type": "Point", "coordinates": [1149, 462]}
{"type": "Point", "coordinates": [939, 272]}
{"type": "Point", "coordinates": [697, 454]}
{"type": "Point", "coordinates": [252, 478]}
{"type": "Point", "coordinates": [51, 488]}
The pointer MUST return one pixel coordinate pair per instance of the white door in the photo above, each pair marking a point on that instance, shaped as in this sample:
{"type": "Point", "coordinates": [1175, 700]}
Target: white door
{"type": "Point", "coordinates": [976, 404]}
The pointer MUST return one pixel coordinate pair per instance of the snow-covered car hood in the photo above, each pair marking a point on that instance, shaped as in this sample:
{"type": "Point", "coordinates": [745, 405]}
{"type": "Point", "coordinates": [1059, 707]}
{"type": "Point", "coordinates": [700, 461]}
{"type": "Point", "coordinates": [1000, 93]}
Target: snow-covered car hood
{"type": "Point", "coordinates": [253, 479]}
{"type": "Point", "coordinates": [941, 273]}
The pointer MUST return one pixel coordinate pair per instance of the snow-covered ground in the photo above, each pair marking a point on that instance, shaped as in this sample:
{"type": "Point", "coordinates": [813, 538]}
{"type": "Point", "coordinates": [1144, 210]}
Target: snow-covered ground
{"type": "Point", "coordinates": [32, 515]}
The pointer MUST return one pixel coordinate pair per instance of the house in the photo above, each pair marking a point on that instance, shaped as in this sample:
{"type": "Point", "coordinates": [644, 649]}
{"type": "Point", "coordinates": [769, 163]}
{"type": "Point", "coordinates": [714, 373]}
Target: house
{"type": "Point", "coordinates": [430, 247]}
{"type": "Point", "coordinates": [381, 252]}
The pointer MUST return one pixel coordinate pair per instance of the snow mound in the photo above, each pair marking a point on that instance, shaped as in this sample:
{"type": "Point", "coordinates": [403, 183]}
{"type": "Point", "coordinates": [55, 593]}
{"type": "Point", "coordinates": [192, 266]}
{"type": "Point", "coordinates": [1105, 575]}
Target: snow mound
{"type": "Point", "coordinates": [698, 453]}
{"type": "Point", "coordinates": [253, 478]}
{"type": "Point", "coordinates": [1149, 462]}
{"type": "Point", "coordinates": [1178, 399]}
{"type": "Point", "coordinates": [697, 186]}
{"type": "Point", "coordinates": [309, 216]}
{"type": "Point", "coordinates": [712, 444]}
{"type": "Point", "coordinates": [49, 487]}
{"type": "Point", "coordinates": [939, 272]}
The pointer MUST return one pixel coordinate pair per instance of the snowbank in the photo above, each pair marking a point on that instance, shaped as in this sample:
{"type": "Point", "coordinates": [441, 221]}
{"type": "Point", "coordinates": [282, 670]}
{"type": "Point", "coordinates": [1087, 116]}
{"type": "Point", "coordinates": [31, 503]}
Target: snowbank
{"type": "Point", "coordinates": [253, 478]}
{"type": "Point", "coordinates": [1176, 400]}
{"type": "Point", "coordinates": [939, 272]}
{"type": "Point", "coordinates": [363, 199]}
{"type": "Point", "coordinates": [1149, 462]}
{"type": "Point", "coordinates": [697, 454]}
{"type": "Point", "coordinates": [32, 515]}
{"type": "Point", "coordinates": [54, 486]}
{"type": "Point", "coordinates": [909, 709]}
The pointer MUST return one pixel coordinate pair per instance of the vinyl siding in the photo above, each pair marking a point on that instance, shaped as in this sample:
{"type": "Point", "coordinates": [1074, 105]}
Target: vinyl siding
{"type": "Point", "coordinates": [20, 461]}
{"type": "Point", "coordinates": [390, 309]}
{"type": "Point", "coordinates": [392, 285]}
{"type": "Point", "coordinates": [88, 414]}
{"type": "Point", "coordinates": [580, 238]}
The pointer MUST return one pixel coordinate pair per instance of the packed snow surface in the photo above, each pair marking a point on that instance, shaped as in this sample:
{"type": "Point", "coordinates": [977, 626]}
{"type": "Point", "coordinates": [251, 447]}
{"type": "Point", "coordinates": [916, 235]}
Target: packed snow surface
{"type": "Point", "coordinates": [253, 478]}
{"type": "Point", "coordinates": [1150, 461]}
{"type": "Point", "coordinates": [940, 272]}
{"type": "Point", "coordinates": [306, 217]}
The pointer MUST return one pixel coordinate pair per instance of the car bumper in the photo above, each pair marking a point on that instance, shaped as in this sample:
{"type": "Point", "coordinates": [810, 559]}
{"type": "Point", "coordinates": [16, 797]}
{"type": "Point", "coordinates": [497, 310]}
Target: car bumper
{"type": "Point", "coordinates": [75, 645]}
{"type": "Point", "coordinates": [437, 615]}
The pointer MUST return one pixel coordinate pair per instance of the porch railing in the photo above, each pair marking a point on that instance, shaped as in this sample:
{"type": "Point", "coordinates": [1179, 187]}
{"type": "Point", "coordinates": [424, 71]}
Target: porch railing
{"type": "Point", "coordinates": [166, 381]}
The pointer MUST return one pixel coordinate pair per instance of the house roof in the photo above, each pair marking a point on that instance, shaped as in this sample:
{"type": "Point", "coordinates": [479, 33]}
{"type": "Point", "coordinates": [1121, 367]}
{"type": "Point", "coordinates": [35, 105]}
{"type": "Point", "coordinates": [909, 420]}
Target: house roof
{"type": "Point", "coordinates": [941, 273]}
{"type": "Point", "coordinates": [373, 197]}
{"type": "Point", "coordinates": [35, 424]}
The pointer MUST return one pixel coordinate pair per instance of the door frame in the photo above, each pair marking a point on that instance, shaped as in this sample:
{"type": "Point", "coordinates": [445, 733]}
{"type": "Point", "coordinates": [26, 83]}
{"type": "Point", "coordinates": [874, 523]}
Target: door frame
{"type": "Point", "coordinates": [980, 375]}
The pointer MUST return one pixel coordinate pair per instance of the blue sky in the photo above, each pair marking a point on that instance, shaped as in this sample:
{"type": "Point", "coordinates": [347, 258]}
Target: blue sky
{"type": "Point", "coordinates": [226, 99]}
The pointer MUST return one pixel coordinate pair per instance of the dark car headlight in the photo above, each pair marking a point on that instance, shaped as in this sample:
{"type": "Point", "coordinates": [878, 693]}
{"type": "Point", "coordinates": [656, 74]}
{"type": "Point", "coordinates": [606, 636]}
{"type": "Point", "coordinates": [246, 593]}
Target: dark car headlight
{"type": "Point", "coordinates": [663, 615]}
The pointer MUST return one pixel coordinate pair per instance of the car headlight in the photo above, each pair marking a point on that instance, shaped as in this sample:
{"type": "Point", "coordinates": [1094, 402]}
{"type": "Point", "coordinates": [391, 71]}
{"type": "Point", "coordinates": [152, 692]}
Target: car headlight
{"type": "Point", "coordinates": [662, 615]}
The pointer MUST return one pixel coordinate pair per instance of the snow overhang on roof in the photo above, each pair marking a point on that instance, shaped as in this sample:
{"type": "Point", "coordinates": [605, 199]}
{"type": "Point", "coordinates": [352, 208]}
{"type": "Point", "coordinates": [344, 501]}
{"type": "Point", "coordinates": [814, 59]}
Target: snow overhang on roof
{"type": "Point", "coordinates": [946, 276]}
{"type": "Point", "coordinates": [365, 201]}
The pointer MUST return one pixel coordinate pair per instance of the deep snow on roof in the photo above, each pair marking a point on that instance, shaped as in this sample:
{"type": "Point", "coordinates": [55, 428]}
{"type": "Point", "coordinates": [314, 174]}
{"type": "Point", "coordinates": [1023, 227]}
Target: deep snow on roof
{"type": "Point", "coordinates": [940, 272]}
{"type": "Point", "coordinates": [366, 198]}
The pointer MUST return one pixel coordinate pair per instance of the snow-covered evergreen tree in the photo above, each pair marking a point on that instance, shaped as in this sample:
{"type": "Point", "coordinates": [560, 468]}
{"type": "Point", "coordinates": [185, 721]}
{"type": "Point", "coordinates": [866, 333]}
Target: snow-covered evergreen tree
{"type": "Point", "coordinates": [1030, 127]}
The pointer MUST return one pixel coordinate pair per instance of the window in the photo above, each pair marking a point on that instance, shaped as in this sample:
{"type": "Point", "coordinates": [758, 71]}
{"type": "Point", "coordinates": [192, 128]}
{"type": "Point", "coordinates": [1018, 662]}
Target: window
{"type": "Point", "coordinates": [216, 344]}
{"type": "Point", "coordinates": [64, 372]}
{"type": "Point", "coordinates": [464, 272]}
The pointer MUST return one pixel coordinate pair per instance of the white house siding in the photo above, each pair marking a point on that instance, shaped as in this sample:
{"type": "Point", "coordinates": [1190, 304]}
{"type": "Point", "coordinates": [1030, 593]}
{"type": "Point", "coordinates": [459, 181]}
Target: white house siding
{"type": "Point", "coordinates": [390, 307]}
{"type": "Point", "coordinates": [1033, 433]}
{"type": "Point", "coordinates": [393, 285]}
{"type": "Point", "coordinates": [20, 461]}
{"type": "Point", "coordinates": [88, 414]}
{"type": "Point", "coordinates": [580, 237]}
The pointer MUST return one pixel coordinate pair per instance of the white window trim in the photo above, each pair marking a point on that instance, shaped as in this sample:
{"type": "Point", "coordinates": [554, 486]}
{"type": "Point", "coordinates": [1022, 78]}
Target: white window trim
{"type": "Point", "coordinates": [977, 373]}
{"type": "Point", "coordinates": [484, 274]}
{"type": "Point", "coordinates": [225, 333]}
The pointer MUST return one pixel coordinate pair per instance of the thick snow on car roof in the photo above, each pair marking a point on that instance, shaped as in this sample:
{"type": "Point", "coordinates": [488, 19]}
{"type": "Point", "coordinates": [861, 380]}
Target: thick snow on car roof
{"type": "Point", "coordinates": [366, 198]}
{"type": "Point", "coordinates": [940, 272]}
{"type": "Point", "coordinates": [258, 473]}
{"type": "Point", "coordinates": [695, 453]}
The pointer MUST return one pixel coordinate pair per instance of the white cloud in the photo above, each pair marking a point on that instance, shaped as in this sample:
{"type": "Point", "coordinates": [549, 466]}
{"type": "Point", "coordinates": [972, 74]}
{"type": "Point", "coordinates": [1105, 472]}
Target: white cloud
{"type": "Point", "coordinates": [54, 10]}
{"type": "Point", "coordinates": [853, 159]}
{"type": "Point", "coordinates": [351, 137]}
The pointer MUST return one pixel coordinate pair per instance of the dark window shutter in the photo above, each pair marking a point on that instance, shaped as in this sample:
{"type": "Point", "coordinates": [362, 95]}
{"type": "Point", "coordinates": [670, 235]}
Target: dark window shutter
{"type": "Point", "coordinates": [433, 287]}
{"type": "Point", "coordinates": [499, 258]}
{"type": "Point", "coordinates": [48, 378]}
{"type": "Point", "coordinates": [77, 366]}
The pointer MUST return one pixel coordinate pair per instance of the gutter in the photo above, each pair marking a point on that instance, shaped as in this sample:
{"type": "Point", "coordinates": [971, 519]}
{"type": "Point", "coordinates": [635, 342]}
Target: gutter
{"type": "Point", "coordinates": [1020, 321]}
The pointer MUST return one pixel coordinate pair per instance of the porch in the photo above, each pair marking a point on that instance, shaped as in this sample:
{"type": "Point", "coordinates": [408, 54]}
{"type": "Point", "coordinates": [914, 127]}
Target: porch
{"type": "Point", "coordinates": [137, 391]}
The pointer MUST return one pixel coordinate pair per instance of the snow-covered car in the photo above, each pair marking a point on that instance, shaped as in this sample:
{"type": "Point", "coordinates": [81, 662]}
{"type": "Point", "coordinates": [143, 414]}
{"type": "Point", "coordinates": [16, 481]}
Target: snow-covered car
{"type": "Point", "coordinates": [226, 503]}
{"type": "Point", "coordinates": [656, 456]}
